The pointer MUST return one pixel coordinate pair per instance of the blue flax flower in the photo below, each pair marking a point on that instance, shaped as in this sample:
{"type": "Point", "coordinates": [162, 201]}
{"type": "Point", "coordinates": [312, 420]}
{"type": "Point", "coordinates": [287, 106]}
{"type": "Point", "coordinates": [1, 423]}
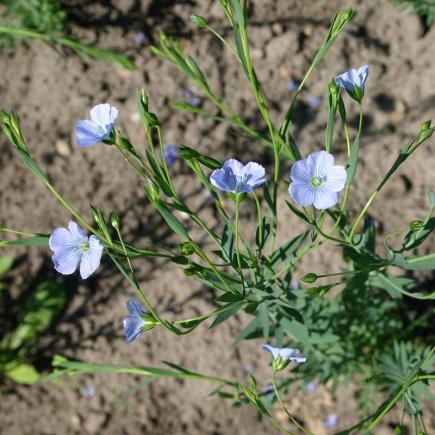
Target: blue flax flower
{"type": "Point", "coordinates": [171, 154]}
{"type": "Point", "coordinates": [73, 248]}
{"type": "Point", "coordinates": [282, 356]}
{"type": "Point", "coordinates": [237, 178]}
{"type": "Point", "coordinates": [353, 81]}
{"type": "Point", "coordinates": [137, 321]}
{"type": "Point", "coordinates": [98, 129]}
{"type": "Point", "coordinates": [330, 421]}
{"type": "Point", "coordinates": [317, 180]}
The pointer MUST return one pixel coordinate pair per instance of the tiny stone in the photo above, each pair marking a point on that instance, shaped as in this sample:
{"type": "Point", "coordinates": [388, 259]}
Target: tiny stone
{"type": "Point", "coordinates": [62, 148]}
{"type": "Point", "coordinates": [135, 117]}
{"type": "Point", "coordinates": [75, 420]}
{"type": "Point", "coordinates": [308, 30]}
{"type": "Point", "coordinates": [257, 53]}
{"type": "Point", "coordinates": [277, 28]}
{"type": "Point", "coordinates": [400, 110]}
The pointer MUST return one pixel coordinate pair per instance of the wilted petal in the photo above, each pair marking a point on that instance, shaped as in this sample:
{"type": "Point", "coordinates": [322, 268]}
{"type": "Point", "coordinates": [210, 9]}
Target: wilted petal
{"type": "Point", "coordinates": [302, 193]}
{"type": "Point", "coordinates": [335, 178]}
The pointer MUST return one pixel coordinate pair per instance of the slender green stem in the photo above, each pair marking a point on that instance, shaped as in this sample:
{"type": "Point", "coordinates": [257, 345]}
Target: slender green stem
{"type": "Point", "coordinates": [203, 256]}
{"type": "Point", "coordinates": [78, 217]}
{"type": "Point", "coordinates": [165, 163]}
{"type": "Point", "coordinates": [215, 33]}
{"type": "Point", "coordinates": [346, 133]}
{"type": "Point", "coordinates": [239, 262]}
{"type": "Point", "coordinates": [136, 287]}
{"type": "Point", "coordinates": [18, 233]}
{"type": "Point", "coordinates": [399, 394]}
{"type": "Point", "coordinates": [284, 408]}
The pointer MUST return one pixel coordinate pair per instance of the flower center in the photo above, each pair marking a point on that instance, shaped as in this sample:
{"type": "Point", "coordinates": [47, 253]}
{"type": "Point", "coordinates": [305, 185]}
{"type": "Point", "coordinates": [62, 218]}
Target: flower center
{"type": "Point", "coordinates": [316, 182]}
{"type": "Point", "coordinates": [84, 247]}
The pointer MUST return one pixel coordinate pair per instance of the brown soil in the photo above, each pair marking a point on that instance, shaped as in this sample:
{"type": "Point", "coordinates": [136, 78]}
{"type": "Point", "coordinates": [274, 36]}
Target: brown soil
{"type": "Point", "coordinates": [50, 92]}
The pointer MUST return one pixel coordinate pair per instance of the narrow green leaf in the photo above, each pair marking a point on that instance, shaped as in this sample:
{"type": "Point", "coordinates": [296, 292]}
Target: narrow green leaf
{"type": "Point", "coordinates": [6, 262]}
{"type": "Point", "coordinates": [285, 252]}
{"type": "Point", "coordinates": [22, 373]}
{"type": "Point", "coordinates": [170, 219]}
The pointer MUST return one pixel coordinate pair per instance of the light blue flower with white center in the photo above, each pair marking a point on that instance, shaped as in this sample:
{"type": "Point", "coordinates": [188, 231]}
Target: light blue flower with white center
{"type": "Point", "coordinates": [99, 128]}
{"type": "Point", "coordinates": [73, 248]}
{"type": "Point", "coordinates": [316, 180]}
{"type": "Point", "coordinates": [171, 154]}
{"type": "Point", "coordinates": [282, 356]}
{"type": "Point", "coordinates": [191, 97]}
{"type": "Point", "coordinates": [137, 321]}
{"type": "Point", "coordinates": [330, 421]}
{"type": "Point", "coordinates": [236, 178]}
{"type": "Point", "coordinates": [314, 102]}
{"type": "Point", "coordinates": [353, 81]}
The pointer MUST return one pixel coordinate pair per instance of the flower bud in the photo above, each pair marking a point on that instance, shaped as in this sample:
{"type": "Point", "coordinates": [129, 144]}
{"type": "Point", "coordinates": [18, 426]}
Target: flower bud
{"type": "Point", "coordinates": [114, 219]}
{"type": "Point", "coordinates": [187, 248]}
{"type": "Point", "coordinates": [309, 278]}
{"type": "Point", "coordinates": [415, 225]}
{"type": "Point", "coordinates": [199, 21]}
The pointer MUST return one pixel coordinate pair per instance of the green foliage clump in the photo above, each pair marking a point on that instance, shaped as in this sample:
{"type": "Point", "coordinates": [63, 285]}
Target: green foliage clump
{"type": "Point", "coordinates": [424, 8]}
{"type": "Point", "coordinates": [45, 16]}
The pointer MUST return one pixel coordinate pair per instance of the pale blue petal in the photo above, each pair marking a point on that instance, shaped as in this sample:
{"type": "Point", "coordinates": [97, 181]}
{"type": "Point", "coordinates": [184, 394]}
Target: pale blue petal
{"type": "Point", "coordinates": [297, 359]}
{"type": "Point", "coordinates": [287, 353]}
{"type": "Point", "coordinates": [235, 166]}
{"type": "Point", "coordinates": [362, 74]}
{"type": "Point", "coordinates": [132, 328]}
{"type": "Point", "coordinates": [104, 115]}
{"type": "Point", "coordinates": [61, 238]}
{"type": "Point", "coordinates": [302, 193]}
{"type": "Point", "coordinates": [319, 163]}
{"type": "Point", "coordinates": [325, 199]}
{"type": "Point", "coordinates": [171, 154]}
{"type": "Point", "coordinates": [335, 178]}
{"type": "Point", "coordinates": [66, 260]}
{"type": "Point", "coordinates": [346, 80]}
{"type": "Point", "coordinates": [223, 180]}
{"type": "Point", "coordinates": [273, 350]}
{"type": "Point", "coordinates": [300, 171]}
{"type": "Point", "coordinates": [77, 232]}
{"type": "Point", "coordinates": [88, 133]}
{"type": "Point", "coordinates": [254, 174]}
{"type": "Point", "coordinates": [91, 259]}
{"type": "Point", "coordinates": [330, 421]}
{"type": "Point", "coordinates": [135, 308]}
